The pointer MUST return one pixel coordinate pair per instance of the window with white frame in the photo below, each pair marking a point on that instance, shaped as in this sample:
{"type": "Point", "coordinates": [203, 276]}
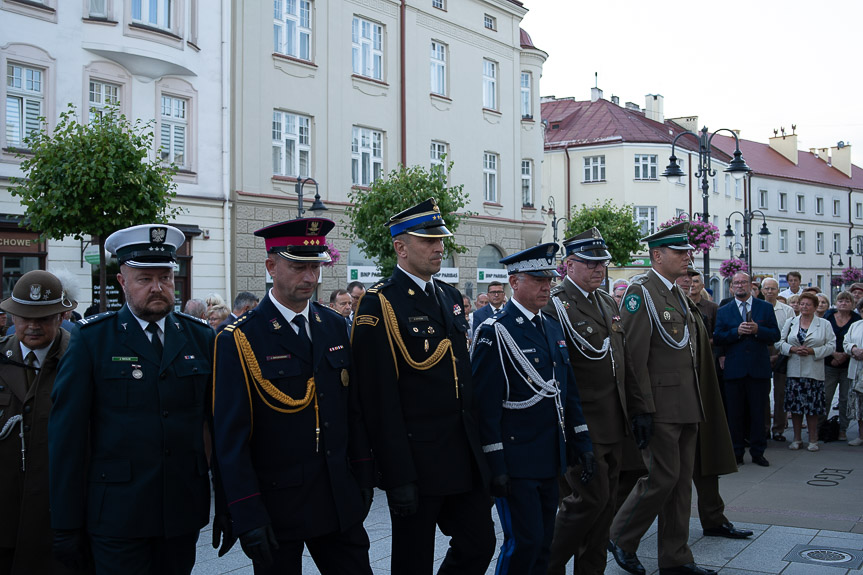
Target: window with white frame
{"type": "Point", "coordinates": [819, 281]}
{"type": "Point", "coordinates": [292, 28]}
{"type": "Point", "coordinates": [438, 68]}
{"type": "Point", "coordinates": [859, 242]}
{"type": "Point", "coordinates": [173, 131]}
{"type": "Point", "coordinates": [783, 202]}
{"type": "Point", "coordinates": [738, 189]}
{"type": "Point", "coordinates": [292, 145]}
{"type": "Point", "coordinates": [679, 212]}
{"type": "Point", "coordinates": [367, 53]}
{"type": "Point", "coordinates": [645, 167]}
{"type": "Point", "coordinates": [489, 21]}
{"type": "Point", "coordinates": [645, 219]}
{"type": "Point", "coordinates": [594, 168]}
{"type": "Point", "coordinates": [367, 156]}
{"type": "Point", "coordinates": [783, 240]}
{"type": "Point", "coordinates": [98, 8]}
{"type": "Point", "coordinates": [489, 84]}
{"type": "Point", "coordinates": [837, 243]}
{"type": "Point", "coordinates": [715, 186]}
{"type": "Point", "coordinates": [439, 4]}
{"type": "Point", "coordinates": [25, 97]}
{"type": "Point", "coordinates": [762, 199]}
{"type": "Point", "coordinates": [819, 206]}
{"type": "Point", "coordinates": [763, 243]}
{"type": "Point", "coordinates": [526, 100]}
{"type": "Point", "coordinates": [801, 203]}
{"type": "Point", "coordinates": [858, 208]}
{"type": "Point", "coordinates": [155, 13]}
{"type": "Point", "coordinates": [837, 208]}
{"type": "Point", "coordinates": [801, 241]}
{"type": "Point", "coordinates": [437, 153]}
{"type": "Point", "coordinates": [727, 186]}
{"type": "Point", "coordinates": [527, 183]}
{"type": "Point", "coordinates": [102, 94]}
{"type": "Point", "coordinates": [819, 242]}
{"type": "Point", "coordinates": [489, 176]}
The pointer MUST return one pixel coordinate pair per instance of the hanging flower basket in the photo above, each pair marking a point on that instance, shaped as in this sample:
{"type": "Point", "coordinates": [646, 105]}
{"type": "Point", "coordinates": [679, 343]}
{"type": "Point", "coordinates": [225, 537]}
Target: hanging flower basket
{"type": "Point", "coordinates": [335, 255]}
{"type": "Point", "coordinates": [851, 275]}
{"type": "Point", "coordinates": [702, 235]}
{"type": "Point", "coordinates": [730, 267]}
{"type": "Point", "coordinates": [836, 281]}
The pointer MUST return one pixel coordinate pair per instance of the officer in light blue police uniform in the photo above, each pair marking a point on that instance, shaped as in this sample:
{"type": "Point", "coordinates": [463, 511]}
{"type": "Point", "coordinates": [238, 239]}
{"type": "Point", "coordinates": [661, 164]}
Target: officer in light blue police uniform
{"type": "Point", "coordinates": [128, 470]}
{"type": "Point", "coordinates": [530, 419]}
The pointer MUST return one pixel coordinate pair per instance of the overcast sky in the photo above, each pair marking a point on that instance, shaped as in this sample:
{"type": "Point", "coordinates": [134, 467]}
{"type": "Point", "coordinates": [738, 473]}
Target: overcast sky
{"type": "Point", "coordinates": [753, 66]}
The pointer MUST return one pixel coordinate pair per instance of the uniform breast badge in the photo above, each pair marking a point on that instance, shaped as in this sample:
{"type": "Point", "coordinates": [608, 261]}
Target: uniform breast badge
{"type": "Point", "coordinates": [275, 323]}
{"type": "Point", "coordinates": [345, 378]}
{"type": "Point", "coordinates": [431, 330]}
{"type": "Point", "coordinates": [136, 372]}
{"type": "Point", "coordinates": [426, 346]}
{"type": "Point", "coordinates": [666, 316]}
{"type": "Point", "coordinates": [519, 320]}
{"type": "Point", "coordinates": [411, 292]}
{"type": "Point", "coordinates": [589, 329]}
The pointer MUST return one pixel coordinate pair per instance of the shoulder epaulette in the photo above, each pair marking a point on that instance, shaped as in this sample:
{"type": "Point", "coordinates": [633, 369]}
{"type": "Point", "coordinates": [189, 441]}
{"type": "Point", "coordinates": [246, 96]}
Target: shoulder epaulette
{"type": "Point", "coordinates": [243, 318]}
{"type": "Point", "coordinates": [85, 321]}
{"type": "Point", "coordinates": [639, 279]}
{"type": "Point", "coordinates": [557, 289]}
{"type": "Point", "coordinates": [600, 290]}
{"type": "Point", "coordinates": [379, 286]}
{"type": "Point", "coordinates": [191, 317]}
{"type": "Point", "coordinates": [327, 308]}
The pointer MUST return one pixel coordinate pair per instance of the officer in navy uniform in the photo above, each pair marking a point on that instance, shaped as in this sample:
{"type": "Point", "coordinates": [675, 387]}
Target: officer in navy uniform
{"type": "Point", "coordinates": [530, 419]}
{"type": "Point", "coordinates": [128, 469]}
{"type": "Point", "coordinates": [410, 351]}
{"type": "Point", "coordinates": [286, 419]}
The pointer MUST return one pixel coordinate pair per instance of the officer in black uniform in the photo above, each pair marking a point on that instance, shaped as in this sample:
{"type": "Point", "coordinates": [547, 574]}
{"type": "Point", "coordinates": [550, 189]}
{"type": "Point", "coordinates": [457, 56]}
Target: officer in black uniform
{"type": "Point", "coordinates": [286, 419]}
{"type": "Point", "coordinates": [128, 470]}
{"type": "Point", "coordinates": [410, 352]}
{"type": "Point", "coordinates": [530, 419]}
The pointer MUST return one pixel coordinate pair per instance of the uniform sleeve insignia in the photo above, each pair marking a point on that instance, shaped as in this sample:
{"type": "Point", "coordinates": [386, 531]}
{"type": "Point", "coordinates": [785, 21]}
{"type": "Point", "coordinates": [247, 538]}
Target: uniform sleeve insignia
{"type": "Point", "coordinates": [366, 320]}
{"type": "Point", "coordinates": [519, 320]}
{"type": "Point", "coordinates": [411, 292]}
{"type": "Point", "coordinates": [456, 309]}
{"type": "Point", "coordinates": [632, 302]}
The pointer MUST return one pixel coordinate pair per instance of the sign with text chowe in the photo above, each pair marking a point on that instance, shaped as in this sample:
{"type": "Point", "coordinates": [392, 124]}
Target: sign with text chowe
{"type": "Point", "coordinates": [371, 274]}
{"type": "Point", "coordinates": [487, 275]}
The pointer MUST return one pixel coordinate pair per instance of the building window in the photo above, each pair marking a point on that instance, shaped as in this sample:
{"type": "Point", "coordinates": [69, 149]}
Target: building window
{"type": "Point", "coordinates": [292, 28]}
{"type": "Point", "coordinates": [527, 183]}
{"type": "Point", "coordinates": [859, 245]}
{"type": "Point", "coordinates": [738, 189]}
{"type": "Point", "coordinates": [526, 105]}
{"type": "Point", "coordinates": [859, 209]}
{"type": "Point", "coordinates": [155, 13]}
{"type": "Point", "coordinates": [98, 9]}
{"type": "Point", "coordinates": [645, 167]}
{"type": "Point", "coordinates": [783, 202]}
{"type": "Point", "coordinates": [489, 176]}
{"type": "Point", "coordinates": [367, 48]}
{"type": "Point", "coordinates": [437, 158]}
{"type": "Point", "coordinates": [367, 156]}
{"type": "Point", "coordinates": [783, 240]}
{"type": "Point", "coordinates": [727, 186]}
{"type": "Point", "coordinates": [438, 68]}
{"type": "Point", "coordinates": [763, 243]}
{"type": "Point", "coordinates": [762, 199]}
{"type": "Point", "coordinates": [594, 168]}
{"type": "Point", "coordinates": [645, 218]}
{"type": "Point", "coordinates": [819, 206]}
{"type": "Point", "coordinates": [489, 21]}
{"type": "Point", "coordinates": [439, 4]}
{"type": "Point", "coordinates": [801, 242]}
{"type": "Point", "coordinates": [837, 208]}
{"type": "Point", "coordinates": [25, 96]}
{"type": "Point", "coordinates": [292, 145]}
{"type": "Point", "coordinates": [819, 242]}
{"type": "Point", "coordinates": [102, 94]}
{"type": "Point", "coordinates": [801, 203]}
{"type": "Point", "coordinates": [489, 84]}
{"type": "Point", "coordinates": [837, 243]}
{"type": "Point", "coordinates": [173, 130]}
{"type": "Point", "coordinates": [715, 186]}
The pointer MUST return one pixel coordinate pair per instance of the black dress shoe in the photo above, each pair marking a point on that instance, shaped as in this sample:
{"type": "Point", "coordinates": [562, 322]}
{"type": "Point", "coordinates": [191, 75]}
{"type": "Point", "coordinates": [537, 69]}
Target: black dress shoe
{"type": "Point", "coordinates": [728, 530]}
{"type": "Point", "coordinates": [688, 569]}
{"type": "Point", "coordinates": [739, 460]}
{"type": "Point", "coordinates": [760, 460]}
{"type": "Point", "coordinates": [627, 561]}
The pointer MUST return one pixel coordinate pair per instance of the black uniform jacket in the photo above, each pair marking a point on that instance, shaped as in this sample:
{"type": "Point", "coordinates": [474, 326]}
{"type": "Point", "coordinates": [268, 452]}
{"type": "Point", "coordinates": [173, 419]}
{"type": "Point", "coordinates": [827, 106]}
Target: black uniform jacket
{"type": "Point", "coordinates": [142, 422]}
{"type": "Point", "coordinates": [421, 419]}
{"type": "Point", "coordinates": [274, 468]}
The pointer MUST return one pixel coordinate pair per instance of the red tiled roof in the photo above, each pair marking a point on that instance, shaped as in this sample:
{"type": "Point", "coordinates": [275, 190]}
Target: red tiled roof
{"type": "Point", "coordinates": [765, 161]}
{"type": "Point", "coordinates": [585, 123]}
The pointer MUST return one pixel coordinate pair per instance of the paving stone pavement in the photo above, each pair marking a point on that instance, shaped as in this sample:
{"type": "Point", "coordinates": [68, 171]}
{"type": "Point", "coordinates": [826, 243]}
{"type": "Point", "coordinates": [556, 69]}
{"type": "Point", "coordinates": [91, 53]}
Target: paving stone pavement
{"type": "Point", "coordinates": [803, 498]}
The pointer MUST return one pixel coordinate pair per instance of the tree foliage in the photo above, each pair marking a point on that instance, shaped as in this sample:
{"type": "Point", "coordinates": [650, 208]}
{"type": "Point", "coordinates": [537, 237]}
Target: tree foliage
{"type": "Point", "coordinates": [91, 179]}
{"type": "Point", "coordinates": [394, 193]}
{"type": "Point", "coordinates": [615, 223]}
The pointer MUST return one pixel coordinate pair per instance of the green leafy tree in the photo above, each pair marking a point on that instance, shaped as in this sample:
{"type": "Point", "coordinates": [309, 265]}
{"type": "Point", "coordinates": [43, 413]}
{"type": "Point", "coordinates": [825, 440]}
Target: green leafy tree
{"type": "Point", "coordinates": [396, 192]}
{"type": "Point", "coordinates": [93, 179]}
{"type": "Point", "coordinates": [615, 223]}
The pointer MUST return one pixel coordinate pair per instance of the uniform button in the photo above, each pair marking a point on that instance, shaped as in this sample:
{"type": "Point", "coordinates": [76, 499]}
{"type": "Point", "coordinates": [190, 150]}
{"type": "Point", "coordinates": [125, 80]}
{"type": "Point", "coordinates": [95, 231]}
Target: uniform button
{"type": "Point", "coordinates": [328, 453]}
{"type": "Point", "coordinates": [281, 372]}
{"type": "Point", "coordinates": [274, 484]}
{"type": "Point", "coordinates": [28, 409]}
{"type": "Point", "coordinates": [102, 476]}
{"type": "Point", "coordinates": [163, 376]}
{"type": "Point", "coordinates": [554, 364]}
{"type": "Point", "coordinates": [410, 434]}
{"type": "Point", "coordinates": [165, 413]}
{"type": "Point", "coordinates": [326, 425]}
{"type": "Point", "coordinates": [194, 369]}
{"type": "Point", "coordinates": [26, 428]}
{"type": "Point", "coordinates": [321, 395]}
{"type": "Point", "coordinates": [167, 452]}
{"type": "Point", "coordinates": [512, 437]}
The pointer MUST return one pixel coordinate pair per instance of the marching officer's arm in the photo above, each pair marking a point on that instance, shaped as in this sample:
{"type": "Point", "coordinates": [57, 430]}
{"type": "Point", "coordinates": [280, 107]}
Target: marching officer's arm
{"type": "Point", "coordinates": [577, 434]}
{"type": "Point", "coordinates": [636, 322]}
{"type": "Point", "coordinates": [377, 382]}
{"type": "Point", "coordinates": [359, 449]}
{"type": "Point", "coordinates": [489, 383]}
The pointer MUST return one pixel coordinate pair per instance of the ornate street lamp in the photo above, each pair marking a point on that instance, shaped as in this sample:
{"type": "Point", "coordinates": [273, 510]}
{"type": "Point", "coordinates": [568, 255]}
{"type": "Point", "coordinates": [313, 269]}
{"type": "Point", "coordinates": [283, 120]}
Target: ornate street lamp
{"type": "Point", "coordinates": [318, 207]}
{"type": "Point", "coordinates": [747, 216]}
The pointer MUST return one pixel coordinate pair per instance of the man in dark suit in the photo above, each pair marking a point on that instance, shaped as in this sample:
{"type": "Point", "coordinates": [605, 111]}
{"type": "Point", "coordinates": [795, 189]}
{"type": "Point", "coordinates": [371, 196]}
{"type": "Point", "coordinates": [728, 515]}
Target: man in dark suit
{"type": "Point", "coordinates": [496, 300]}
{"type": "Point", "coordinates": [127, 429]}
{"type": "Point", "coordinates": [242, 303]}
{"type": "Point", "coordinates": [530, 419]}
{"type": "Point", "coordinates": [411, 357]}
{"type": "Point", "coordinates": [290, 443]}
{"type": "Point", "coordinates": [610, 398]}
{"type": "Point", "coordinates": [746, 329]}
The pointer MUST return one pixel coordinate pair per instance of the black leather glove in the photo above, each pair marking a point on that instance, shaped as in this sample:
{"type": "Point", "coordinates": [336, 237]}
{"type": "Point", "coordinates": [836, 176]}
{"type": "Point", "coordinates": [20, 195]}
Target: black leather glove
{"type": "Point", "coordinates": [368, 495]}
{"type": "Point", "coordinates": [403, 500]}
{"type": "Point", "coordinates": [258, 545]}
{"type": "Point", "coordinates": [71, 548]}
{"type": "Point", "coordinates": [642, 429]}
{"type": "Point", "coordinates": [588, 466]}
{"type": "Point", "coordinates": [501, 486]}
{"type": "Point", "coordinates": [222, 533]}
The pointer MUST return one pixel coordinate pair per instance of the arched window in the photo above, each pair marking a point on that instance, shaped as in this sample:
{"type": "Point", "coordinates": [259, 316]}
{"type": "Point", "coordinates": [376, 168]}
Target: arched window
{"type": "Point", "coordinates": [489, 257]}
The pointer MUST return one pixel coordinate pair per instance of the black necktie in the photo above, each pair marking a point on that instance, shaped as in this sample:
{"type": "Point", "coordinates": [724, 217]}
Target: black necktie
{"type": "Point", "coordinates": [430, 292]}
{"type": "Point", "coordinates": [300, 321]}
{"type": "Point", "coordinates": [153, 328]}
{"type": "Point", "coordinates": [537, 321]}
{"type": "Point", "coordinates": [30, 360]}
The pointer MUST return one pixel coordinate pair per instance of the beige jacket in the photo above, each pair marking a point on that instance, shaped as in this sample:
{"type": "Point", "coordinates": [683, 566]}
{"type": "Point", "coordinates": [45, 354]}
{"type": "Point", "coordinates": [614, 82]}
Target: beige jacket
{"type": "Point", "coordinates": [820, 338]}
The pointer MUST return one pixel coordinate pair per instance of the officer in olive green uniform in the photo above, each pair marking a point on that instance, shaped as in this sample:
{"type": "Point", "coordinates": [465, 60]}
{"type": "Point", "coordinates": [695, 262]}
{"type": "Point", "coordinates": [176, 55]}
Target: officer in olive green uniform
{"type": "Point", "coordinates": [610, 396]}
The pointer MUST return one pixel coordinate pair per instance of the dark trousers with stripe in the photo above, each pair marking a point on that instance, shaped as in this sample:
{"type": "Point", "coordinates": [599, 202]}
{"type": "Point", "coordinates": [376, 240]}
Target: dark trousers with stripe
{"type": "Point", "coordinates": [527, 518]}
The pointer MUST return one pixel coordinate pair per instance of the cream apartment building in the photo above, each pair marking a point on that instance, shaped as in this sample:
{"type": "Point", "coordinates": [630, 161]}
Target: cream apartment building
{"type": "Point", "coordinates": [162, 60]}
{"type": "Point", "coordinates": [344, 91]}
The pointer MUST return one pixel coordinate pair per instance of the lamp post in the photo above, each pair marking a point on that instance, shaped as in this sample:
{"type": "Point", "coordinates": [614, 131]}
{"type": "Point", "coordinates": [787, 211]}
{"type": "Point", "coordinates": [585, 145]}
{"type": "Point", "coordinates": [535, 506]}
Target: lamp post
{"type": "Point", "coordinates": [747, 216]}
{"type": "Point", "coordinates": [840, 264]}
{"type": "Point", "coordinates": [736, 245]}
{"type": "Point", "coordinates": [555, 221]}
{"type": "Point", "coordinates": [318, 206]}
{"type": "Point", "coordinates": [737, 168]}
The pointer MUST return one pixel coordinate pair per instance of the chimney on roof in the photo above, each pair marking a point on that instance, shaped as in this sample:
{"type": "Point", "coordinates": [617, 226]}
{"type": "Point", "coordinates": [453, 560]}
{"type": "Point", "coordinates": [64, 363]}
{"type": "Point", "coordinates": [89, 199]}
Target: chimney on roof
{"type": "Point", "coordinates": [595, 94]}
{"type": "Point", "coordinates": [686, 122]}
{"type": "Point", "coordinates": [785, 145]}
{"type": "Point", "coordinates": [632, 106]}
{"type": "Point", "coordinates": [615, 100]}
{"type": "Point", "coordinates": [654, 108]}
{"type": "Point", "coordinates": [841, 158]}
